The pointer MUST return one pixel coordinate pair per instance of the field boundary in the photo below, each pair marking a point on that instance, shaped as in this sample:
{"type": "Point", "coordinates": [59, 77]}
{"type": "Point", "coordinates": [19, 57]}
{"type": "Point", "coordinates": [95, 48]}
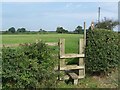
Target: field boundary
{"type": "Point", "coordinates": [28, 44]}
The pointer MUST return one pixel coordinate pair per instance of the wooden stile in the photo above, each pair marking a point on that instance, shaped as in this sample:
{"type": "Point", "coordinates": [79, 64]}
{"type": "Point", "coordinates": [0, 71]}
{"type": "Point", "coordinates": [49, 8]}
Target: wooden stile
{"type": "Point", "coordinates": [80, 67]}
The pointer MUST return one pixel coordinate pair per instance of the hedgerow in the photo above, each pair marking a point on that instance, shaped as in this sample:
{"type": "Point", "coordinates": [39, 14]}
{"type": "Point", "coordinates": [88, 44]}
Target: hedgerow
{"type": "Point", "coordinates": [102, 51]}
{"type": "Point", "coordinates": [30, 66]}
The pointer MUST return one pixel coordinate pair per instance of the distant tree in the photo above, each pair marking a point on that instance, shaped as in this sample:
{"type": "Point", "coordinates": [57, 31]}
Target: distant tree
{"type": "Point", "coordinates": [106, 24]}
{"type": "Point", "coordinates": [12, 30]}
{"type": "Point", "coordinates": [41, 30]}
{"type": "Point", "coordinates": [61, 30]}
{"type": "Point", "coordinates": [21, 30]}
{"type": "Point", "coordinates": [79, 30]}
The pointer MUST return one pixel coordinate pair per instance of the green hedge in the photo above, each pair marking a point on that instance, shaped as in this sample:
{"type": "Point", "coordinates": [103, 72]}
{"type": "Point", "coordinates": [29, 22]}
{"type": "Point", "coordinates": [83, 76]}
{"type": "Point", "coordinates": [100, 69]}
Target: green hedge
{"type": "Point", "coordinates": [28, 67]}
{"type": "Point", "coordinates": [102, 52]}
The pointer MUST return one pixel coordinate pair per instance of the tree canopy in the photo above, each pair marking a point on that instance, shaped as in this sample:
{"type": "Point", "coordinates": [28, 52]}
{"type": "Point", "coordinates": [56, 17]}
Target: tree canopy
{"type": "Point", "coordinates": [21, 30]}
{"type": "Point", "coordinates": [106, 24]}
{"type": "Point", "coordinates": [61, 30]}
{"type": "Point", "coordinates": [41, 30]}
{"type": "Point", "coordinates": [79, 30]}
{"type": "Point", "coordinates": [12, 30]}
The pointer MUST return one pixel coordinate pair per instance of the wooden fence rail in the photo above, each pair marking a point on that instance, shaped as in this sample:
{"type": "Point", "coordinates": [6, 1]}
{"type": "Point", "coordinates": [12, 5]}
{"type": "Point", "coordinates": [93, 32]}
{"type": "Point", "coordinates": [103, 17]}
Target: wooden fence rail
{"type": "Point", "coordinates": [16, 45]}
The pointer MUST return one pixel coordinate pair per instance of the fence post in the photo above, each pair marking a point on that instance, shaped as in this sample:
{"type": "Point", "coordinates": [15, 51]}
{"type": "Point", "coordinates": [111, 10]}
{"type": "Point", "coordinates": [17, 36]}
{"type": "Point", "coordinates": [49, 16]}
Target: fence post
{"type": "Point", "coordinates": [92, 25]}
{"type": "Point", "coordinates": [84, 34]}
{"type": "Point", "coordinates": [81, 60]}
{"type": "Point", "coordinates": [62, 52]}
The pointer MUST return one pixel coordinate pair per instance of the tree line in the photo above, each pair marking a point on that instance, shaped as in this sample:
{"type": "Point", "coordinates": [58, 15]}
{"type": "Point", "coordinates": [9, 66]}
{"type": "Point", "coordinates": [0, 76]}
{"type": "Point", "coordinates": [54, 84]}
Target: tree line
{"type": "Point", "coordinates": [104, 24]}
{"type": "Point", "coordinates": [12, 30]}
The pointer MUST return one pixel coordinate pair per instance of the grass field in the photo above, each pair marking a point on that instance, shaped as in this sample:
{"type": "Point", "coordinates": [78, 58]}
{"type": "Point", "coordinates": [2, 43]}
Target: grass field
{"type": "Point", "coordinates": [71, 39]}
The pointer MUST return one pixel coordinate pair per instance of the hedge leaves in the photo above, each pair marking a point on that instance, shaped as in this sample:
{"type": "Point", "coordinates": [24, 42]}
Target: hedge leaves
{"type": "Point", "coordinates": [31, 66]}
{"type": "Point", "coordinates": [102, 51]}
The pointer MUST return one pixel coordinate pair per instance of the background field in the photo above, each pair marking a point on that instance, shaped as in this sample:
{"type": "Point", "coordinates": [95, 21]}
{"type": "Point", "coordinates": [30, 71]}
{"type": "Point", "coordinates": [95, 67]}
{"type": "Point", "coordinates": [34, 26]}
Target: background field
{"type": "Point", "coordinates": [71, 39]}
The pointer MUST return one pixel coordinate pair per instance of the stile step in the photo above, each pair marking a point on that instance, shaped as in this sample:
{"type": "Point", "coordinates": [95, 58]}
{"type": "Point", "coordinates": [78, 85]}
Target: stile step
{"type": "Point", "coordinates": [72, 56]}
{"type": "Point", "coordinates": [73, 76]}
{"type": "Point", "coordinates": [71, 67]}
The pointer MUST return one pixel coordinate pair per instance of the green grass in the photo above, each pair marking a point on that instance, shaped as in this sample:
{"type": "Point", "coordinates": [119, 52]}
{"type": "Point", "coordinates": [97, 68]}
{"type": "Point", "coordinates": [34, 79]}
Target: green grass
{"type": "Point", "coordinates": [71, 39]}
{"type": "Point", "coordinates": [93, 82]}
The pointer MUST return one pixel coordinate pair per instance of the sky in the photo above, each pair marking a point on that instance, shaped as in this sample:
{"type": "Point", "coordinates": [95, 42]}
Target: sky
{"type": "Point", "coordinates": [59, 0]}
{"type": "Point", "coordinates": [49, 15]}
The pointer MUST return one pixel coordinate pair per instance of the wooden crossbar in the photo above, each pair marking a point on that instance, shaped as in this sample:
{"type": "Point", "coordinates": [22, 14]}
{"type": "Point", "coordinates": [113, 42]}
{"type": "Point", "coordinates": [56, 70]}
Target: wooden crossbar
{"type": "Point", "coordinates": [52, 44]}
{"type": "Point", "coordinates": [72, 56]}
{"type": "Point", "coordinates": [16, 45]}
{"type": "Point", "coordinates": [70, 67]}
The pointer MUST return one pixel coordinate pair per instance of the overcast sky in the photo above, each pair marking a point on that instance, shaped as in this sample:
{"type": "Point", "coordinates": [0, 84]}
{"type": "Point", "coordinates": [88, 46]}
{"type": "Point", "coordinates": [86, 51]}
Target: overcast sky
{"type": "Point", "coordinates": [50, 15]}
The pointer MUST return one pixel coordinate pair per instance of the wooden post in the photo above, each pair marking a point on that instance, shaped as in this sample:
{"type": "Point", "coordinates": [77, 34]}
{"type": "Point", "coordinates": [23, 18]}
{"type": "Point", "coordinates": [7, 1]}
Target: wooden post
{"type": "Point", "coordinates": [81, 60]}
{"type": "Point", "coordinates": [75, 81]}
{"type": "Point", "coordinates": [62, 52]}
{"type": "Point", "coordinates": [62, 47]}
{"type": "Point", "coordinates": [84, 34]}
{"type": "Point", "coordinates": [92, 25]}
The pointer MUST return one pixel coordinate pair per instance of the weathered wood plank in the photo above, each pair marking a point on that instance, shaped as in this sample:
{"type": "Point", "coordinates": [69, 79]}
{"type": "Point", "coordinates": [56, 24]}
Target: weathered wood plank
{"type": "Point", "coordinates": [84, 34]}
{"type": "Point", "coordinates": [9, 45]}
{"type": "Point", "coordinates": [62, 46]}
{"type": "Point", "coordinates": [71, 67]}
{"type": "Point", "coordinates": [73, 75]}
{"type": "Point", "coordinates": [92, 25]}
{"type": "Point", "coordinates": [75, 82]}
{"type": "Point", "coordinates": [81, 46]}
{"type": "Point", "coordinates": [81, 51]}
{"type": "Point", "coordinates": [62, 63]}
{"type": "Point", "coordinates": [62, 51]}
{"type": "Point", "coordinates": [80, 77]}
{"type": "Point", "coordinates": [16, 45]}
{"type": "Point", "coordinates": [52, 43]}
{"type": "Point", "coordinates": [81, 73]}
{"type": "Point", "coordinates": [72, 55]}
{"type": "Point", "coordinates": [81, 60]}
